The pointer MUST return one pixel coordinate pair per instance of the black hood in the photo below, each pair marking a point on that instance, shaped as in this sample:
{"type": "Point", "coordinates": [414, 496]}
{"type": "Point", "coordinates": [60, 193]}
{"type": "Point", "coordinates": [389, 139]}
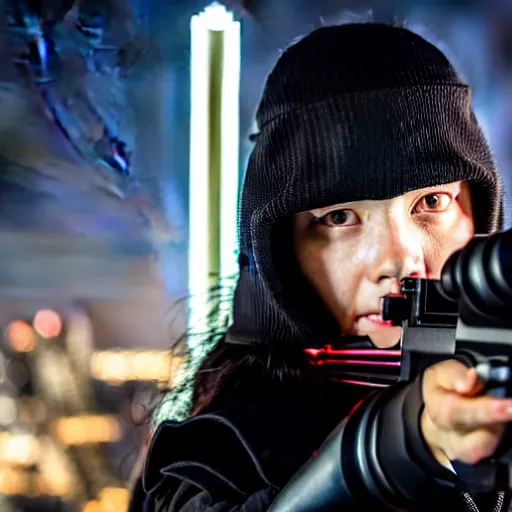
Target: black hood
{"type": "Point", "coordinates": [351, 112]}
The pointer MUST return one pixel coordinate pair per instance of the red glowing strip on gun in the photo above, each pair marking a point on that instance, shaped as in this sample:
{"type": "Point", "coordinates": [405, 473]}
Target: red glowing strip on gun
{"type": "Point", "coordinates": [336, 359]}
{"type": "Point", "coordinates": [340, 356]}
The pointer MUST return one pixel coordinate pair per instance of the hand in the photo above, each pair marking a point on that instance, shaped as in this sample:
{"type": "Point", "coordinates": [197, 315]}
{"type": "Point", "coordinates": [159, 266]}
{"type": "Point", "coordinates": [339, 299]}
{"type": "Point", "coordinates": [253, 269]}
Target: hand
{"type": "Point", "coordinates": [457, 424]}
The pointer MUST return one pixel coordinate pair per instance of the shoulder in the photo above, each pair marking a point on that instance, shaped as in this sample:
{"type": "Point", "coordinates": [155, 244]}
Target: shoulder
{"type": "Point", "coordinates": [246, 446]}
{"type": "Point", "coordinates": [208, 451]}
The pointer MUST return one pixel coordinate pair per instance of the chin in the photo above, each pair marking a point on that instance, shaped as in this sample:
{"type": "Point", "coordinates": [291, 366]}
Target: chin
{"type": "Point", "coordinates": [387, 338]}
{"type": "Point", "coordinates": [382, 334]}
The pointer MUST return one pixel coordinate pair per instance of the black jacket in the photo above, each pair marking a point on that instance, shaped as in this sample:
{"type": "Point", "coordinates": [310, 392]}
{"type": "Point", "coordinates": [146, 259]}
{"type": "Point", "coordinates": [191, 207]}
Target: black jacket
{"type": "Point", "coordinates": [239, 455]}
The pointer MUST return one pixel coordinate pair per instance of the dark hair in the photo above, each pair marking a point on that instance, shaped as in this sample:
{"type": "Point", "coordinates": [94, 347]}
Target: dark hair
{"type": "Point", "coordinates": [215, 370]}
{"type": "Point", "coordinates": [232, 370]}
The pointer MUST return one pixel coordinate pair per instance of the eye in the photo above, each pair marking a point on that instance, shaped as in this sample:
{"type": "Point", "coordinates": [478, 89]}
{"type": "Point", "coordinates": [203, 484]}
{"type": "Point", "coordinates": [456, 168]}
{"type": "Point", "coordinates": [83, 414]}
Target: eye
{"type": "Point", "coordinates": [435, 202]}
{"type": "Point", "coordinates": [338, 218]}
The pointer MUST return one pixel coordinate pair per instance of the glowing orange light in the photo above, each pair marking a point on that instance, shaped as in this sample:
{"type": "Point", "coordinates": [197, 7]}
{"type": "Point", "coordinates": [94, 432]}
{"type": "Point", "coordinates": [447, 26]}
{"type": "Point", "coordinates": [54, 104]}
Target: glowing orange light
{"type": "Point", "coordinates": [12, 481]}
{"type": "Point", "coordinates": [92, 506]}
{"type": "Point", "coordinates": [117, 366]}
{"type": "Point", "coordinates": [20, 336]}
{"type": "Point", "coordinates": [113, 499]}
{"type": "Point", "coordinates": [47, 323]}
{"type": "Point", "coordinates": [80, 430]}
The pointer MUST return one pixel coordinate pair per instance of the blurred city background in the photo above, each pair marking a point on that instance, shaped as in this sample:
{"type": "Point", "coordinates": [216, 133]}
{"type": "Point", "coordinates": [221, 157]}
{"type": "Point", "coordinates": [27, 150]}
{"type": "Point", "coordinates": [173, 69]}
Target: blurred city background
{"type": "Point", "coordinates": [124, 134]}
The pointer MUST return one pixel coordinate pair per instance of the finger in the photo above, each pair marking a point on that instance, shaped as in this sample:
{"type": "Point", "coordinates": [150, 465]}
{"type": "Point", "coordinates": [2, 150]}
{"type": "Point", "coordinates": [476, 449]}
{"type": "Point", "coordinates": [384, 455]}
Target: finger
{"type": "Point", "coordinates": [450, 411]}
{"type": "Point", "coordinates": [451, 375]}
{"type": "Point", "coordinates": [473, 447]}
{"type": "Point", "coordinates": [472, 385]}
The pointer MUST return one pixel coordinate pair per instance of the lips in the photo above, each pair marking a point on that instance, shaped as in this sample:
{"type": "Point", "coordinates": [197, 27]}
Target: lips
{"type": "Point", "coordinates": [376, 319]}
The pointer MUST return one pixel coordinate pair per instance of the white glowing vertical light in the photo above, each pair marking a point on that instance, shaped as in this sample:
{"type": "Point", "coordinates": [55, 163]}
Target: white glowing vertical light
{"type": "Point", "coordinates": [198, 188]}
{"type": "Point", "coordinates": [230, 148]}
{"type": "Point", "coordinates": [215, 18]}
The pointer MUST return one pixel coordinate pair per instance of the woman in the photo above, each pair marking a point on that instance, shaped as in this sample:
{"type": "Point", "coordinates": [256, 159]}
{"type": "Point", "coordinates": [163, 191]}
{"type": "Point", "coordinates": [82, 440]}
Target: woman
{"type": "Point", "coordinates": [369, 167]}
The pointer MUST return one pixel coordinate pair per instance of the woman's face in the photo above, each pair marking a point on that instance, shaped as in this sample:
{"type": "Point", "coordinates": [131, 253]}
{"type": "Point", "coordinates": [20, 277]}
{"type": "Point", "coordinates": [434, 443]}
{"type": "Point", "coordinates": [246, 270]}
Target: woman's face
{"type": "Point", "coordinates": [355, 253]}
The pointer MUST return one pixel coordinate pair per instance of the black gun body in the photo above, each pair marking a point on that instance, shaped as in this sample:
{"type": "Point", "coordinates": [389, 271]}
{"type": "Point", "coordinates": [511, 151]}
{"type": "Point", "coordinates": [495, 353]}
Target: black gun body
{"type": "Point", "coordinates": [435, 328]}
{"type": "Point", "coordinates": [424, 345]}
{"type": "Point", "coordinates": [366, 461]}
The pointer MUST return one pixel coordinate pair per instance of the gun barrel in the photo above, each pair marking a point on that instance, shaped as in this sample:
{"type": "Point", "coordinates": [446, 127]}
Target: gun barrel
{"type": "Point", "coordinates": [482, 273]}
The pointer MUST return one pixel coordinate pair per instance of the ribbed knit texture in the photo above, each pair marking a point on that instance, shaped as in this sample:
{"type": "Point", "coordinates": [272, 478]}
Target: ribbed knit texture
{"type": "Point", "coordinates": [351, 112]}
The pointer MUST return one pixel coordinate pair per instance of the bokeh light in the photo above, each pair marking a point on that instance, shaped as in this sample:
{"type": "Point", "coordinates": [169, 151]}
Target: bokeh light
{"type": "Point", "coordinates": [18, 449]}
{"type": "Point", "coordinates": [47, 323]}
{"type": "Point", "coordinates": [8, 410]}
{"type": "Point", "coordinates": [20, 336]}
{"type": "Point", "coordinates": [87, 429]}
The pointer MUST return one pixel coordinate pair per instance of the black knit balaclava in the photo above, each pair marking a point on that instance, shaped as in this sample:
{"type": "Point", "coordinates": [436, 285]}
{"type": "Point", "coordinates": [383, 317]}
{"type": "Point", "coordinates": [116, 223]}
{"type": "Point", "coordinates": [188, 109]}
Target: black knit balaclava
{"type": "Point", "coordinates": [349, 113]}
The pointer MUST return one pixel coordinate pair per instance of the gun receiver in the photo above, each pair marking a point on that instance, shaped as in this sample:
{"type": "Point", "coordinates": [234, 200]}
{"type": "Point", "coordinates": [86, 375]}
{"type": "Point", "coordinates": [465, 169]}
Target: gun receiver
{"type": "Point", "coordinates": [468, 310]}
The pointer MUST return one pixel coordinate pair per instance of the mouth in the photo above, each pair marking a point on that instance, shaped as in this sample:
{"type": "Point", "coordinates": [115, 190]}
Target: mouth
{"type": "Point", "coordinates": [376, 320]}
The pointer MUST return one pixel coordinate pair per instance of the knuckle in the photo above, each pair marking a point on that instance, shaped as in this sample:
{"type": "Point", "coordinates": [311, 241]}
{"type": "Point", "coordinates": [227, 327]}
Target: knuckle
{"type": "Point", "coordinates": [442, 374]}
{"type": "Point", "coordinates": [447, 366]}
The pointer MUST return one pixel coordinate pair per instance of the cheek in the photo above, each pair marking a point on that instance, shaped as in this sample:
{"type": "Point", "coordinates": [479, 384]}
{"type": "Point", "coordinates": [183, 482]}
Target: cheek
{"type": "Point", "coordinates": [365, 253]}
{"type": "Point", "coordinates": [331, 269]}
{"type": "Point", "coordinates": [443, 242]}
{"type": "Point", "coordinates": [320, 264]}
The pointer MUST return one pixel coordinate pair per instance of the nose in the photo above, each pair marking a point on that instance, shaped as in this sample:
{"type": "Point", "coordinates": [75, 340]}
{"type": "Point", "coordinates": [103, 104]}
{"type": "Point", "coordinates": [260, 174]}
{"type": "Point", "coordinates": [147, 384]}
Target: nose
{"type": "Point", "coordinates": [398, 253]}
